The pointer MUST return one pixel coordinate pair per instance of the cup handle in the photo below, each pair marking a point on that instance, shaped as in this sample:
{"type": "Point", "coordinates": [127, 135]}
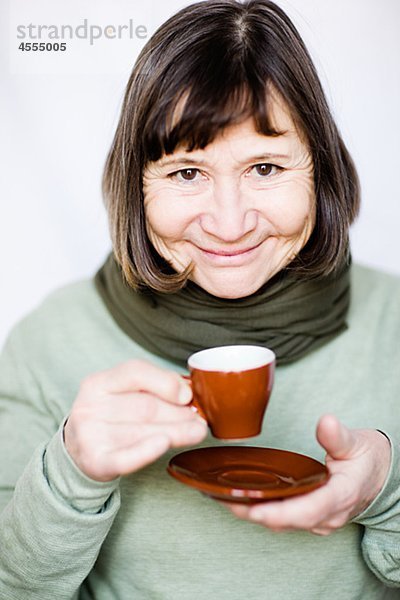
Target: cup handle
{"type": "Point", "coordinates": [193, 404]}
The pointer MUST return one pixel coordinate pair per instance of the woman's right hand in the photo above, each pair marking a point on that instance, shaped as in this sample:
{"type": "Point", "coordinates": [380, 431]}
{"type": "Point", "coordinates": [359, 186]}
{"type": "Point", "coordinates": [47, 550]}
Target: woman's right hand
{"type": "Point", "coordinates": [126, 417]}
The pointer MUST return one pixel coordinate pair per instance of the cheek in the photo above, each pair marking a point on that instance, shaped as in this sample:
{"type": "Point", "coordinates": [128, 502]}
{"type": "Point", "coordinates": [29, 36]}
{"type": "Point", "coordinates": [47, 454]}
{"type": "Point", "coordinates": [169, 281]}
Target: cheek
{"type": "Point", "coordinates": [164, 217]}
{"type": "Point", "coordinates": [292, 207]}
{"type": "Point", "coordinates": [157, 221]}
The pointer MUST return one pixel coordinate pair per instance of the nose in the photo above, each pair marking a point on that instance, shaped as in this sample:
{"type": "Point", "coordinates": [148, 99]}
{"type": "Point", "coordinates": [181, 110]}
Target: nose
{"type": "Point", "coordinates": [229, 215]}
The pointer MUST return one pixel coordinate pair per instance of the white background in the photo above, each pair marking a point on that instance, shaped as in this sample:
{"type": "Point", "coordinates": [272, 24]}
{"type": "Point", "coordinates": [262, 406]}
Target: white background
{"type": "Point", "coordinates": [58, 113]}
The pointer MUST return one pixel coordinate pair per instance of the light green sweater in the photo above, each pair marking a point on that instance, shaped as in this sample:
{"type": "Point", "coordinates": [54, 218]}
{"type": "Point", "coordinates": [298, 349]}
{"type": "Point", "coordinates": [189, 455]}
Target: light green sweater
{"type": "Point", "coordinates": [64, 536]}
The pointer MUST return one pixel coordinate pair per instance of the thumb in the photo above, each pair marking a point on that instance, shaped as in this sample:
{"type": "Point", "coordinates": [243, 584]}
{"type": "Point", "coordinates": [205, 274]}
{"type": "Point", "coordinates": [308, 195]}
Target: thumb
{"type": "Point", "coordinates": [338, 441]}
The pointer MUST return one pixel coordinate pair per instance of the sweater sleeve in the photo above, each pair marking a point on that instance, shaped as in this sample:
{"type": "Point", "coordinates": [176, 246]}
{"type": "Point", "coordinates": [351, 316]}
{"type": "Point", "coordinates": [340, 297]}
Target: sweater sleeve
{"type": "Point", "coordinates": [381, 520]}
{"type": "Point", "coordinates": [53, 519]}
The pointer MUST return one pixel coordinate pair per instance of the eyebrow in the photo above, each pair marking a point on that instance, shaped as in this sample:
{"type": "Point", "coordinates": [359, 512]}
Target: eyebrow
{"type": "Point", "coordinates": [185, 160]}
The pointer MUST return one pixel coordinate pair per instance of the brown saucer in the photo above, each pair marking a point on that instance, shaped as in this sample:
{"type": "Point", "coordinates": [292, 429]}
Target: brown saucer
{"type": "Point", "coordinates": [247, 474]}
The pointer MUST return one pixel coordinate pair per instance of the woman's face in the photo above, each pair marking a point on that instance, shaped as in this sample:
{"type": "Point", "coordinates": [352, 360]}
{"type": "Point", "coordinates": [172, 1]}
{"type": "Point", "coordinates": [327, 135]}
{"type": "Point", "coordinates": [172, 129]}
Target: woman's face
{"type": "Point", "coordinates": [239, 210]}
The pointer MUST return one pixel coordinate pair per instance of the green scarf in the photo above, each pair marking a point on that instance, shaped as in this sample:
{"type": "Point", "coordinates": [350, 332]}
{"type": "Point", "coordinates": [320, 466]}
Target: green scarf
{"type": "Point", "coordinates": [290, 315]}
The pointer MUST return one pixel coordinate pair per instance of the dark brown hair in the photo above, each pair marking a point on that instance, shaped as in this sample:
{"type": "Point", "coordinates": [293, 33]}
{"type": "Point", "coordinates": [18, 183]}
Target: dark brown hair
{"type": "Point", "coordinates": [221, 59]}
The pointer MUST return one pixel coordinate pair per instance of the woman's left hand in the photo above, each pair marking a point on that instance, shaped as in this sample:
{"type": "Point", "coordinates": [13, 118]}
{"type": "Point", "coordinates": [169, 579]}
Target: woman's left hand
{"type": "Point", "coordinates": [358, 461]}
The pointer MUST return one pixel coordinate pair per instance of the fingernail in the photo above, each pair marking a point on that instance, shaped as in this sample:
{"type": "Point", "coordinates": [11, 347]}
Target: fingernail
{"type": "Point", "coordinates": [185, 394]}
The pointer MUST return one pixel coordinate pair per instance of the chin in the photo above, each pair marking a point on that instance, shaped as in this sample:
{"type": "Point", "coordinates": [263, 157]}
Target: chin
{"type": "Point", "coordinates": [232, 296]}
{"type": "Point", "coordinates": [231, 290]}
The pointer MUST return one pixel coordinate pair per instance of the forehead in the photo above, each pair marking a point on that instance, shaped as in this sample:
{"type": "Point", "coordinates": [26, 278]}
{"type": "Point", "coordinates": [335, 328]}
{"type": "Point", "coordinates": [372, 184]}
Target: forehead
{"type": "Point", "coordinates": [243, 136]}
{"type": "Point", "coordinates": [192, 118]}
{"type": "Point", "coordinates": [281, 121]}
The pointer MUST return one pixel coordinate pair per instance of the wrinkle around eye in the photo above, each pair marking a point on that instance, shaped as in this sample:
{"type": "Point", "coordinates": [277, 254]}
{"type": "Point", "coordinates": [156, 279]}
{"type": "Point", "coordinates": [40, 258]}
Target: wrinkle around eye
{"type": "Point", "coordinates": [177, 175]}
{"type": "Point", "coordinates": [274, 171]}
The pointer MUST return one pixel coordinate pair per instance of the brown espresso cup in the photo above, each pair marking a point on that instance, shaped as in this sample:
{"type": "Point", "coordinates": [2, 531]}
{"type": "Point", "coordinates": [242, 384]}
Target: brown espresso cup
{"type": "Point", "coordinates": [231, 388]}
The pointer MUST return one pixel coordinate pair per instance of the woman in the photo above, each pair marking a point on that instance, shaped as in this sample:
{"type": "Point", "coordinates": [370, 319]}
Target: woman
{"type": "Point", "coordinates": [230, 194]}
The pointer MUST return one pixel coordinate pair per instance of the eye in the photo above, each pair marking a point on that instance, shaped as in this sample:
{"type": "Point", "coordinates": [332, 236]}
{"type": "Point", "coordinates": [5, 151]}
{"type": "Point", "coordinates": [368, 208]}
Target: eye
{"type": "Point", "coordinates": [266, 170]}
{"type": "Point", "coordinates": [189, 174]}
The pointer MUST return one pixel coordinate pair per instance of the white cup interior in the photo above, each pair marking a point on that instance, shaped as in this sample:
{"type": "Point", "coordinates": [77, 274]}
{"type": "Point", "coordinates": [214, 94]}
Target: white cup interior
{"type": "Point", "coordinates": [231, 358]}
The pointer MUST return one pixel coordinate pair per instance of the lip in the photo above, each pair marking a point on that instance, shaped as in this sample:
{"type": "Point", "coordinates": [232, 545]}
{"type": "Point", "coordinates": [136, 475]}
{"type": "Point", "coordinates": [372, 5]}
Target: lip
{"type": "Point", "coordinates": [233, 257]}
{"type": "Point", "coordinates": [236, 252]}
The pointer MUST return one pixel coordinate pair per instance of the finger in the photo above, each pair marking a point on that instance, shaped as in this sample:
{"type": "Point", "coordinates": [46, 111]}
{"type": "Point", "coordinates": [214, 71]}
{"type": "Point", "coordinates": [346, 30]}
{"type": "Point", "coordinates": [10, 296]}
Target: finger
{"type": "Point", "coordinates": [148, 449]}
{"type": "Point", "coordinates": [316, 510]}
{"type": "Point", "coordinates": [180, 434]}
{"type": "Point", "coordinates": [135, 457]}
{"type": "Point", "coordinates": [322, 531]}
{"type": "Point", "coordinates": [238, 509]}
{"type": "Point", "coordinates": [139, 375]}
{"type": "Point", "coordinates": [242, 511]}
{"type": "Point", "coordinates": [141, 407]}
{"type": "Point", "coordinates": [101, 445]}
{"type": "Point", "coordinates": [302, 512]}
{"type": "Point", "coordinates": [117, 437]}
{"type": "Point", "coordinates": [339, 442]}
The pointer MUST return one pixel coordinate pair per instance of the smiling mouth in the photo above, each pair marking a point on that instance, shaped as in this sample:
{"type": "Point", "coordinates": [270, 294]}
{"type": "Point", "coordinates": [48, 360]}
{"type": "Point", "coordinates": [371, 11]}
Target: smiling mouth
{"type": "Point", "coordinates": [227, 253]}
